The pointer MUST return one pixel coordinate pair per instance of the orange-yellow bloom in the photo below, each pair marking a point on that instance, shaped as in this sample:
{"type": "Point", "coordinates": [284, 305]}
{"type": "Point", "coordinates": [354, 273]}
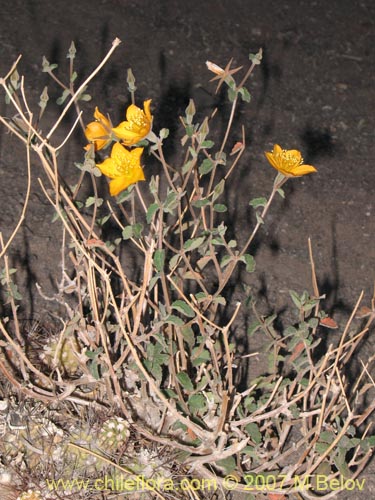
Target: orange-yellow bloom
{"type": "Point", "coordinates": [289, 162]}
{"type": "Point", "coordinates": [137, 125]}
{"type": "Point", "coordinates": [123, 167]}
{"type": "Point", "coordinates": [99, 131]}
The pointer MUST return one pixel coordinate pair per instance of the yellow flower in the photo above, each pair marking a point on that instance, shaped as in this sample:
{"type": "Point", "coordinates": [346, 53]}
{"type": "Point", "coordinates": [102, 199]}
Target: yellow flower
{"type": "Point", "coordinates": [99, 131]}
{"type": "Point", "coordinates": [289, 162]}
{"type": "Point", "coordinates": [137, 124]}
{"type": "Point", "coordinates": [123, 167]}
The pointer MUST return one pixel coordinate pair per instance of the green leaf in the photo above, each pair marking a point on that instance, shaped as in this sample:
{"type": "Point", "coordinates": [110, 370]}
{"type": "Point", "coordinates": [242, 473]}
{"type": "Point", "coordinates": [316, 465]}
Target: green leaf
{"type": "Point", "coordinates": [73, 78]}
{"type": "Point", "coordinates": [258, 202]}
{"type": "Point", "coordinates": [174, 320]}
{"type": "Point", "coordinates": [281, 192]}
{"type": "Point", "coordinates": [153, 281]}
{"type": "Point", "coordinates": [296, 299]}
{"type": "Point", "coordinates": [207, 144]}
{"type": "Point", "coordinates": [232, 94]}
{"type": "Point", "coordinates": [124, 195]}
{"type": "Point", "coordinates": [15, 294]}
{"type": "Point", "coordinates": [151, 211]}
{"type": "Point", "coordinates": [206, 166]}
{"type": "Point", "coordinates": [228, 464]}
{"type": "Point", "coordinates": [85, 97]}
{"type": "Point", "coordinates": [327, 437]}
{"type": "Point", "coordinates": [341, 463]}
{"type": "Point", "coordinates": [63, 97]}
{"type": "Point", "coordinates": [250, 263]}
{"type": "Point", "coordinates": [183, 308]}
{"type": "Point", "coordinates": [245, 94]}
{"type": "Point", "coordinates": [170, 202]}
{"type": "Point", "coordinates": [137, 229]}
{"type": "Point", "coordinates": [200, 297]}
{"type": "Point", "coordinates": [218, 241]}
{"type": "Point", "coordinates": [253, 431]}
{"type": "Point", "coordinates": [219, 188]}
{"type": "Point", "coordinates": [159, 259]}
{"type": "Point", "coordinates": [220, 208]}
{"type": "Point", "coordinates": [185, 381]}
{"type": "Point", "coordinates": [173, 261]}
{"type": "Point", "coordinates": [255, 326]}
{"type": "Point", "coordinates": [194, 243]}
{"type": "Point", "coordinates": [219, 300]}
{"type": "Point", "coordinates": [187, 167]}
{"type": "Point", "coordinates": [14, 79]}
{"type": "Point", "coordinates": [103, 220]}
{"type": "Point", "coordinates": [200, 357]}
{"type": "Point", "coordinates": [197, 402]}
{"type": "Point", "coordinates": [201, 203]}
{"type": "Point", "coordinates": [225, 261]}
{"type": "Point", "coordinates": [127, 232]}
{"type": "Point", "coordinates": [91, 200]}
{"type": "Point", "coordinates": [192, 152]}
{"type": "Point", "coordinates": [43, 98]}
{"type": "Point", "coordinates": [188, 334]}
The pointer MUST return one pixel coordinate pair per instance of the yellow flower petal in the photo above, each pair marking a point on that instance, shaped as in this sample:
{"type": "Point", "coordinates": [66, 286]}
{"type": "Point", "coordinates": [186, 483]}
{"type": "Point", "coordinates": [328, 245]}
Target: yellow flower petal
{"type": "Point", "coordinates": [123, 167]}
{"type": "Point", "coordinates": [118, 185]}
{"type": "Point", "coordinates": [303, 170]}
{"type": "Point", "coordinates": [101, 118]}
{"type": "Point", "coordinates": [108, 168]}
{"type": "Point", "coordinates": [271, 159]}
{"type": "Point", "coordinates": [99, 132]}
{"type": "Point", "coordinates": [288, 162]}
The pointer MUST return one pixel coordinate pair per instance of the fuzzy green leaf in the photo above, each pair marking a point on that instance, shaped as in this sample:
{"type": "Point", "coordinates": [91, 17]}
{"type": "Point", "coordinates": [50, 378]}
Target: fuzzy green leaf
{"type": "Point", "coordinates": [250, 263]}
{"type": "Point", "coordinates": [296, 299]}
{"type": "Point", "coordinates": [201, 203]}
{"type": "Point", "coordinates": [197, 402]}
{"type": "Point", "coordinates": [183, 308]}
{"type": "Point", "coordinates": [173, 261]}
{"type": "Point", "coordinates": [219, 189]}
{"type": "Point", "coordinates": [245, 94]}
{"type": "Point", "coordinates": [124, 195]}
{"type": "Point", "coordinates": [152, 209]}
{"type": "Point", "coordinates": [258, 202]}
{"type": "Point", "coordinates": [207, 144]}
{"type": "Point", "coordinates": [137, 229]}
{"type": "Point", "coordinates": [185, 381]}
{"type": "Point", "coordinates": [220, 208]}
{"type": "Point", "coordinates": [206, 166]}
{"type": "Point", "coordinates": [194, 243]}
{"type": "Point", "coordinates": [127, 232]}
{"type": "Point", "coordinates": [253, 431]}
{"type": "Point", "coordinates": [174, 320]}
{"type": "Point", "coordinates": [63, 97]}
{"type": "Point", "coordinates": [159, 259]}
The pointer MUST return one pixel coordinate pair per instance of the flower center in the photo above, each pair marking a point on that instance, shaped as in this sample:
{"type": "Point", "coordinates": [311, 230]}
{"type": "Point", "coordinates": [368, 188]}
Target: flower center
{"type": "Point", "coordinates": [290, 159]}
{"type": "Point", "coordinates": [138, 122]}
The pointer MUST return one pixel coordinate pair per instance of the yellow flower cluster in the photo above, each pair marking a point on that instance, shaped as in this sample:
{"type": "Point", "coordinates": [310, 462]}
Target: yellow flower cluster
{"type": "Point", "coordinates": [123, 166]}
